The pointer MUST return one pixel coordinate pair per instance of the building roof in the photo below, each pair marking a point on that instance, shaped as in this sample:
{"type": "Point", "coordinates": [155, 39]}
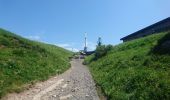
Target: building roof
{"type": "Point", "coordinates": [138, 32]}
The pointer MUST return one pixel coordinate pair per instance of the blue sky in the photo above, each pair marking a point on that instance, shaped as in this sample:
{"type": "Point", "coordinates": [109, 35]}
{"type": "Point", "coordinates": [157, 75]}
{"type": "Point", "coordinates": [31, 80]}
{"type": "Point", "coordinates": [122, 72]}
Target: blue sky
{"type": "Point", "coordinates": [64, 22]}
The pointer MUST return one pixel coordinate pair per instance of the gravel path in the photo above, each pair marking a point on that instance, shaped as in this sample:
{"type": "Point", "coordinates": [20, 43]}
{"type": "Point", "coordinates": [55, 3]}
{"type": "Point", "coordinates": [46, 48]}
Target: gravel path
{"type": "Point", "coordinates": [74, 84]}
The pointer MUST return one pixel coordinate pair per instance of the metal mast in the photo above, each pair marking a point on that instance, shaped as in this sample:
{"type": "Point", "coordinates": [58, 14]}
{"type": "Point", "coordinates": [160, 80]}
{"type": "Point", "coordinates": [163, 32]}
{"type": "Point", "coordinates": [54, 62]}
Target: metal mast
{"type": "Point", "coordinates": [85, 44]}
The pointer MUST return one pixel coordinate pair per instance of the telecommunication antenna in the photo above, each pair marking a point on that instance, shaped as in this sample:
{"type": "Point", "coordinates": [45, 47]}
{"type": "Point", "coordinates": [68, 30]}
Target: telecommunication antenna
{"type": "Point", "coordinates": [85, 42]}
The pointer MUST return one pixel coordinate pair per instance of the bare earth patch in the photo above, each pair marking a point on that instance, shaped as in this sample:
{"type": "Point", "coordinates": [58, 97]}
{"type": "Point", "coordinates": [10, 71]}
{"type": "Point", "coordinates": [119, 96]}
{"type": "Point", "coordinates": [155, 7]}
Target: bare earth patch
{"type": "Point", "coordinates": [2, 46]}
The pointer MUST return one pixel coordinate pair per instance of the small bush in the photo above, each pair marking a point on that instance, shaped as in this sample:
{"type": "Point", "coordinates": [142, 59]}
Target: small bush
{"type": "Point", "coordinates": [102, 51]}
{"type": "Point", "coordinates": [4, 41]}
{"type": "Point", "coordinates": [19, 52]}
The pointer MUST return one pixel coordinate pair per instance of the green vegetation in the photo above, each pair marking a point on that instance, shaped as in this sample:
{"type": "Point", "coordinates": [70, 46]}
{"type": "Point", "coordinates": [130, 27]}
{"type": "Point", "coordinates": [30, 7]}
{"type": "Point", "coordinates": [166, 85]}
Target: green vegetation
{"type": "Point", "coordinates": [102, 51]}
{"type": "Point", "coordinates": [135, 70]}
{"type": "Point", "coordinates": [24, 62]}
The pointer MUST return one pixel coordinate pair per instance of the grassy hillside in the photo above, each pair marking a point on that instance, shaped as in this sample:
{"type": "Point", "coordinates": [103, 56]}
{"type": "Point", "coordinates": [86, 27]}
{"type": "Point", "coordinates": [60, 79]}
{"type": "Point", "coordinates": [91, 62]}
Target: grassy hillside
{"type": "Point", "coordinates": [135, 70]}
{"type": "Point", "coordinates": [23, 62]}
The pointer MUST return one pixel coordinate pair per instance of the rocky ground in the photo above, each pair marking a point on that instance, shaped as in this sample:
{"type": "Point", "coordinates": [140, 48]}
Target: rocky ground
{"type": "Point", "coordinates": [74, 84]}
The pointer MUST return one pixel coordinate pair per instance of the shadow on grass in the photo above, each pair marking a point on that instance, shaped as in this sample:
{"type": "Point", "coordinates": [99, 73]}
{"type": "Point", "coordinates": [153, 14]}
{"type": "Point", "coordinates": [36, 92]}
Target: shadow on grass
{"type": "Point", "coordinates": [163, 46]}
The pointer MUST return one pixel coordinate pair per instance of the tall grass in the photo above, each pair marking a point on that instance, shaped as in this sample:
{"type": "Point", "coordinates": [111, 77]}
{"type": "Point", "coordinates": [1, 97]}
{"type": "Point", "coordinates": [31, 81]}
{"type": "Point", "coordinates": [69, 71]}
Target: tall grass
{"type": "Point", "coordinates": [134, 71]}
{"type": "Point", "coordinates": [24, 62]}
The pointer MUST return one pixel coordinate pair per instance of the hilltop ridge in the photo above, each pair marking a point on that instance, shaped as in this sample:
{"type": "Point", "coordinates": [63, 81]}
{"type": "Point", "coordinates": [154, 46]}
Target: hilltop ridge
{"type": "Point", "coordinates": [135, 70]}
{"type": "Point", "coordinates": [24, 62]}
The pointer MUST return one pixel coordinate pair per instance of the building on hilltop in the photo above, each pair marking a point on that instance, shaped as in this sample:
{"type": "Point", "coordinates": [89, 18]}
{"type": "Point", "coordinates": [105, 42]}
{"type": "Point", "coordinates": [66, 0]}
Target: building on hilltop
{"type": "Point", "coordinates": [160, 26]}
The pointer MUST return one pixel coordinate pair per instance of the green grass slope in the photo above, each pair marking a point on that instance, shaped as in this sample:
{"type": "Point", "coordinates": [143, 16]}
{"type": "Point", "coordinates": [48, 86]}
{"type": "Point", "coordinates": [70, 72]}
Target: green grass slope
{"type": "Point", "coordinates": [135, 70]}
{"type": "Point", "coordinates": [24, 62]}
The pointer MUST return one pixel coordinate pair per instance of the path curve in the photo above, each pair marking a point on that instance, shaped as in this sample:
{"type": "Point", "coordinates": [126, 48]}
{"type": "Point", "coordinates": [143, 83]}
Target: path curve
{"type": "Point", "coordinates": [74, 84]}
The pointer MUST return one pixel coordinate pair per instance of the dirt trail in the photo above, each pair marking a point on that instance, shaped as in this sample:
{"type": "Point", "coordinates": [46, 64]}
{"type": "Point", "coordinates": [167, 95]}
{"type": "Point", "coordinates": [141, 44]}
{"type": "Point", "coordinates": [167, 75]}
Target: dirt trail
{"type": "Point", "coordinates": [74, 84]}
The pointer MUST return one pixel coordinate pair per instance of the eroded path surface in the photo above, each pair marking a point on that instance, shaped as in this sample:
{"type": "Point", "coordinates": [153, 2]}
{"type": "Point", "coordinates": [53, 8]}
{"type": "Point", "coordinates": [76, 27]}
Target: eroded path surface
{"type": "Point", "coordinates": [74, 84]}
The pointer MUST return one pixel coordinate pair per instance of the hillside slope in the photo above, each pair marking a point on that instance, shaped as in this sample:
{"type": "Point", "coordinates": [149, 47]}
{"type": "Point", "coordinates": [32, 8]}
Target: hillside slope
{"type": "Point", "coordinates": [23, 62]}
{"type": "Point", "coordinates": [135, 70]}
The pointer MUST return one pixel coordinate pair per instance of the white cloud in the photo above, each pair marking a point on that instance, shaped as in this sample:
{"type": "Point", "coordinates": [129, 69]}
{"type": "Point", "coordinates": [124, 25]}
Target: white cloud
{"type": "Point", "coordinates": [72, 49]}
{"type": "Point", "coordinates": [34, 37]}
{"type": "Point", "coordinates": [68, 47]}
{"type": "Point", "coordinates": [91, 46]}
{"type": "Point", "coordinates": [63, 45]}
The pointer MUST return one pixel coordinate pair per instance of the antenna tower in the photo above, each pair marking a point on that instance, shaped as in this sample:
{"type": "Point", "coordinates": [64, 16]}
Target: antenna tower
{"type": "Point", "coordinates": [85, 42]}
